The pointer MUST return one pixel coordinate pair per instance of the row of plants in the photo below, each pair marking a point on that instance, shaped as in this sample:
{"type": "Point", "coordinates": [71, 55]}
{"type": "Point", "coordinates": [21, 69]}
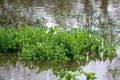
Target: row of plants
{"type": "Point", "coordinates": [34, 43]}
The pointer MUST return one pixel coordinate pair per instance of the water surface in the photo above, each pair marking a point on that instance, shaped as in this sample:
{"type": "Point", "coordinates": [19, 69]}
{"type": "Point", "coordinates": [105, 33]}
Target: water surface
{"type": "Point", "coordinates": [52, 9]}
{"type": "Point", "coordinates": [56, 12]}
{"type": "Point", "coordinates": [13, 69]}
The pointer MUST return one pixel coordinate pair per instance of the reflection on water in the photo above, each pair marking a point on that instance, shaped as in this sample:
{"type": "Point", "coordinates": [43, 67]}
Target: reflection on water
{"type": "Point", "coordinates": [7, 72]}
{"type": "Point", "coordinates": [20, 72]}
{"type": "Point", "coordinates": [51, 9]}
{"type": "Point", "coordinates": [12, 69]}
{"type": "Point", "coordinates": [104, 71]}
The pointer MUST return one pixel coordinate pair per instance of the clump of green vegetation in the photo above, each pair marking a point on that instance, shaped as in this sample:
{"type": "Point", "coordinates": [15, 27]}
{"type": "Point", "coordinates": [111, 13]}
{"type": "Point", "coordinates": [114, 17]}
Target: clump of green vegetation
{"type": "Point", "coordinates": [33, 43]}
{"type": "Point", "coordinates": [75, 75]}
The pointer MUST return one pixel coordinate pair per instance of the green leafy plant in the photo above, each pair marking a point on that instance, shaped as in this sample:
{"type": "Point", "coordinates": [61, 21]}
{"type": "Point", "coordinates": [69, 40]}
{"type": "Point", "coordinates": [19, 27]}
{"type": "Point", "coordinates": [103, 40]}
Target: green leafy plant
{"type": "Point", "coordinates": [75, 75]}
{"type": "Point", "coordinates": [31, 42]}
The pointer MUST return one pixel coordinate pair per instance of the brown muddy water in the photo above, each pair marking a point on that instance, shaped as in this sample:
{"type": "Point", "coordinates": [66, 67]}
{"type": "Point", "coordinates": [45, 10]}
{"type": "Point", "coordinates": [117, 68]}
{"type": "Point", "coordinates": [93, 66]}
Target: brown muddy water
{"type": "Point", "coordinates": [51, 10]}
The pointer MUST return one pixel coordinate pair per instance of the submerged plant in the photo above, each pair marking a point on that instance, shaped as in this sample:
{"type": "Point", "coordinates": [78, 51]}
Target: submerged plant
{"type": "Point", "coordinates": [75, 75]}
{"type": "Point", "coordinates": [54, 44]}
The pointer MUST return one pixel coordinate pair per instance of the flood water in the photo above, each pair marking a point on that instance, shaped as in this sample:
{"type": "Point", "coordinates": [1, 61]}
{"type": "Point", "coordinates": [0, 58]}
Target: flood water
{"type": "Point", "coordinates": [11, 69]}
{"type": "Point", "coordinates": [53, 11]}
